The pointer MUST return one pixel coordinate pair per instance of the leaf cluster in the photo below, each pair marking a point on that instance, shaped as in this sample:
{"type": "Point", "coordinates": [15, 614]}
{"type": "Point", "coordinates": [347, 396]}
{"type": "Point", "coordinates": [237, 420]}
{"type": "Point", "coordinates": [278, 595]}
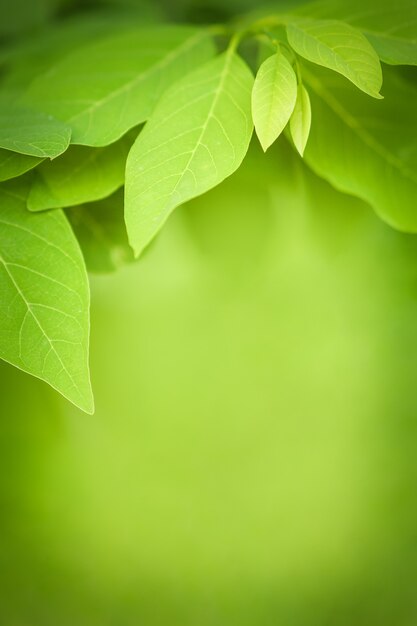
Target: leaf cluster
{"type": "Point", "coordinates": [108, 125]}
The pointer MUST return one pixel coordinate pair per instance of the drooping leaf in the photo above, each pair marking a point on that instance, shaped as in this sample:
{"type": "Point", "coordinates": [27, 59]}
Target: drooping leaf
{"type": "Point", "coordinates": [273, 98]}
{"type": "Point", "coordinates": [80, 175]}
{"type": "Point", "coordinates": [391, 27]}
{"type": "Point", "coordinates": [198, 135]}
{"type": "Point", "coordinates": [367, 148]}
{"type": "Point", "coordinates": [300, 122]}
{"type": "Point", "coordinates": [101, 232]}
{"type": "Point", "coordinates": [341, 48]}
{"type": "Point", "coordinates": [44, 297]}
{"type": "Point", "coordinates": [20, 16]}
{"type": "Point", "coordinates": [104, 90]}
{"type": "Point", "coordinates": [33, 55]}
{"type": "Point", "coordinates": [13, 164]}
{"type": "Point", "coordinates": [31, 132]}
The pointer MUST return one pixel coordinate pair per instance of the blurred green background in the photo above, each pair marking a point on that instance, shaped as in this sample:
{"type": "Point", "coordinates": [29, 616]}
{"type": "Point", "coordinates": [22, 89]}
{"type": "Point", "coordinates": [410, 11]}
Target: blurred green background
{"type": "Point", "coordinates": [252, 457]}
{"type": "Point", "coordinates": [252, 460]}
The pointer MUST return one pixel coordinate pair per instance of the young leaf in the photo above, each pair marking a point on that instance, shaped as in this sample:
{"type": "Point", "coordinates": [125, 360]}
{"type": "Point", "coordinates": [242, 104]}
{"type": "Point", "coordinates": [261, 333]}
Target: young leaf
{"type": "Point", "coordinates": [101, 232]}
{"type": "Point", "coordinates": [32, 133]}
{"type": "Point", "coordinates": [198, 135]}
{"type": "Point", "coordinates": [341, 48]}
{"type": "Point", "coordinates": [300, 121]}
{"type": "Point", "coordinates": [273, 98]}
{"type": "Point", "coordinates": [81, 175]}
{"type": "Point", "coordinates": [111, 86]}
{"type": "Point", "coordinates": [378, 162]}
{"type": "Point", "coordinates": [44, 297]}
{"type": "Point", "coordinates": [13, 164]}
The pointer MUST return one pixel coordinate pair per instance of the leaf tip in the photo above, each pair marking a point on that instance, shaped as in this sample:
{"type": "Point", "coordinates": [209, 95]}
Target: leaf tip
{"type": "Point", "coordinates": [265, 143]}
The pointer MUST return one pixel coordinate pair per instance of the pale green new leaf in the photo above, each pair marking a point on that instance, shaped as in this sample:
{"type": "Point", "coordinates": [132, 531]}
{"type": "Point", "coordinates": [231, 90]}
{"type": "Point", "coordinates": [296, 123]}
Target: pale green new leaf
{"type": "Point", "coordinates": [113, 85]}
{"type": "Point", "coordinates": [339, 47]}
{"type": "Point", "coordinates": [391, 27]}
{"type": "Point", "coordinates": [198, 135]}
{"type": "Point", "coordinates": [101, 232]}
{"type": "Point", "coordinates": [273, 98]}
{"type": "Point", "coordinates": [44, 297]}
{"type": "Point", "coordinates": [80, 175]}
{"type": "Point", "coordinates": [13, 164]}
{"type": "Point", "coordinates": [300, 122]}
{"type": "Point", "coordinates": [31, 132]}
{"type": "Point", "coordinates": [367, 148]}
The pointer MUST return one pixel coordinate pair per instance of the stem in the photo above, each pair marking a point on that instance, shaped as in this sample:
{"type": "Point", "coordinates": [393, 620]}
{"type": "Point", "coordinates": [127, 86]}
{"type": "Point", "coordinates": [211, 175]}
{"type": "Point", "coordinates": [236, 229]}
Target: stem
{"type": "Point", "coordinates": [267, 22]}
{"type": "Point", "coordinates": [235, 41]}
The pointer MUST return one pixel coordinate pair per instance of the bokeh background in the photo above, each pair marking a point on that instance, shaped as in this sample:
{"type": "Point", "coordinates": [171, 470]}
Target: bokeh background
{"type": "Point", "coordinates": [252, 459]}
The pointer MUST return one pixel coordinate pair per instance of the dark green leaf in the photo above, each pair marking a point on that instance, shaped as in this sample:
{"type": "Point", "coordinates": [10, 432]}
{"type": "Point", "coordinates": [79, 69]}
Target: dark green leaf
{"type": "Point", "coordinates": [32, 133]}
{"type": "Point", "coordinates": [101, 232]}
{"type": "Point", "coordinates": [13, 164]}
{"type": "Point", "coordinates": [104, 90]}
{"type": "Point", "coordinates": [367, 148]}
{"type": "Point", "coordinates": [80, 175]}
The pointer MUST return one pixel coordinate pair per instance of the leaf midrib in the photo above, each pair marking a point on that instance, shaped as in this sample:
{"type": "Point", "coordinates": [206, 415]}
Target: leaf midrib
{"type": "Point", "coordinates": [217, 93]}
{"type": "Point", "coordinates": [138, 79]}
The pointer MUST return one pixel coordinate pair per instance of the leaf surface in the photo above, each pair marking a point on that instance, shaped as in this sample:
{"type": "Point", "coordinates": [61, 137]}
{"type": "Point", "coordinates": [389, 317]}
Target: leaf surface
{"type": "Point", "coordinates": [104, 90]}
{"type": "Point", "coordinates": [80, 175]}
{"type": "Point", "coordinates": [273, 98]}
{"type": "Point", "coordinates": [339, 47]}
{"type": "Point", "coordinates": [32, 133]}
{"type": "Point", "coordinates": [378, 162]}
{"type": "Point", "coordinates": [13, 164]}
{"type": "Point", "coordinates": [44, 297]}
{"type": "Point", "coordinates": [300, 122]}
{"type": "Point", "coordinates": [198, 135]}
{"type": "Point", "coordinates": [391, 27]}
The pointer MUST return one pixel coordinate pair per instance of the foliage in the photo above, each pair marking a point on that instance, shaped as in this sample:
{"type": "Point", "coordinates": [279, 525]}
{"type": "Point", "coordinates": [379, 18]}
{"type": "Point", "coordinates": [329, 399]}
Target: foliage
{"type": "Point", "coordinates": [167, 111]}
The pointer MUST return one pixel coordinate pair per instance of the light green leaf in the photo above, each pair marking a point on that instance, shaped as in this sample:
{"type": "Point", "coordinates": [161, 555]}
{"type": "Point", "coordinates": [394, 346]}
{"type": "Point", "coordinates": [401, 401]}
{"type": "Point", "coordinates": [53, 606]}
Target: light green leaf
{"type": "Point", "coordinates": [198, 135]}
{"type": "Point", "coordinates": [378, 162]}
{"type": "Point", "coordinates": [80, 175]}
{"type": "Point", "coordinates": [104, 90]}
{"type": "Point", "coordinates": [339, 47]}
{"type": "Point", "coordinates": [300, 122]}
{"type": "Point", "coordinates": [101, 232]}
{"type": "Point", "coordinates": [13, 164]}
{"type": "Point", "coordinates": [32, 133]}
{"type": "Point", "coordinates": [273, 98]}
{"type": "Point", "coordinates": [391, 27]}
{"type": "Point", "coordinates": [44, 297]}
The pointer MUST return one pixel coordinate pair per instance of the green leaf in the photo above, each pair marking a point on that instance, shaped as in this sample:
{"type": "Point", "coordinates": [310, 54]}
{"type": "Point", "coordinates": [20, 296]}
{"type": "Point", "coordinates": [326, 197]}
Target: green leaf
{"type": "Point", "coordinates": [273, 98]}
{"type": "Point", "coordinates": [44, 297]}
{"type": "Point", "coordinates": [367, 148]}
{"type": "Point", "coordinates": [80, 175]}
{"type": "Point", "coordinates": [35, 54]}
{"type": "Point", "coordinates": [300, 122]}
{"type": "Point", "coordinates": [198, 135]}
{"type": "Point", "coordinates": [31, 132]}
{"type": "Point", "coordinates": [104, 90]}
{"type": "Point", "coordinates": [339, 47]}
{"type": "Point", "coordinates": [101, 232]}
{"type": "Point", "coordinates": [13, 164]}
{"type": "Point", "coordinates": [391, 27]}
